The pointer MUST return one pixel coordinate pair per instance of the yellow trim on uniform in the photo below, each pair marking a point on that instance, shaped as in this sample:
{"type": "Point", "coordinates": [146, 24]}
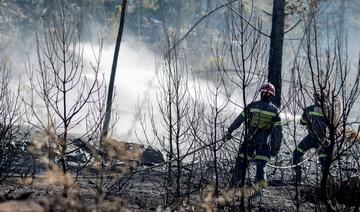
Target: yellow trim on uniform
{"type": "Point", "coordinates": [322, 155]}
{"type": "Point", "coordinates": [261, 157]}
{"type": "Point", "coordinates": [303, 121]}
{"type": "Point", "coordinates": [242, 155]}
{"type": "Point", "coordinates": [316, 114]}
{"type": "Point", "coordinates": [255, 110]}
{"type": "Point", "coordinates": [278, 123]}
{"type": "Point", "coordinates": [300, 150]}
{"type": "Point", "coordinates": [257, 157]}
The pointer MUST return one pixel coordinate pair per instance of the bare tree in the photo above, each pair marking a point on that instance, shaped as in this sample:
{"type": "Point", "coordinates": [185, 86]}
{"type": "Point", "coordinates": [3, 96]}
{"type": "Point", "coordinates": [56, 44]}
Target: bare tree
{"type": "Point", "coordinates": [13, 133]}
{"type": "Point", "coordinates": [59, 82]}
{"type": "Point", "coordinates": [173, 124]}
{"type": "Point", "coordinates": [326, 62]}
{"type": "Point", "coordinates": [246, 70]}
{"type": "Point", "coordinates": [215, 117]}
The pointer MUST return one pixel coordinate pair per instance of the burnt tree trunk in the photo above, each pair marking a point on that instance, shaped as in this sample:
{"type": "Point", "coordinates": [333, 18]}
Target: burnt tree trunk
{"type": "Point", "coordinates": [342, 25]}
{"type": "Point", "coordinates": [326, 172]}
{"type": "Point", "coordinates": [113, 71]}
{"type": "Point", "coordinates": [276, 48]}
{"type": "Point", "coordinates": [178, 19]}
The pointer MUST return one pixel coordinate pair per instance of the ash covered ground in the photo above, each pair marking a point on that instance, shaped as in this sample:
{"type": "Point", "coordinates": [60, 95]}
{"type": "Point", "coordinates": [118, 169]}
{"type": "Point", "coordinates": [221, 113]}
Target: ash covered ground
{"type": "Point", "coordinates": [144, 190]}
{"type": "Point", "coordinates": [141, 186]}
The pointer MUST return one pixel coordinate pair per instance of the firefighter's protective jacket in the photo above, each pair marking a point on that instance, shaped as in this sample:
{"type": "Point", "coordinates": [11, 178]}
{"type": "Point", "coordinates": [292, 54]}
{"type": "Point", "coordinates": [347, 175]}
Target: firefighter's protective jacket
{"type": "Point", "coordinates": [263, 121]}
{"type": "Point", "coordinates": [313, 118]}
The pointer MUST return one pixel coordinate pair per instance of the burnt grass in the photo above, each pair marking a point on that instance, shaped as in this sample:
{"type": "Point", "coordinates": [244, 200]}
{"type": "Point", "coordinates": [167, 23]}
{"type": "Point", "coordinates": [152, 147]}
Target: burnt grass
{"type": "Point", "coordinates": [145, 191]}
{"type": "Point", "coordinates": [142, 191]}
{"type": "Point", "coordinates": [130, 186]}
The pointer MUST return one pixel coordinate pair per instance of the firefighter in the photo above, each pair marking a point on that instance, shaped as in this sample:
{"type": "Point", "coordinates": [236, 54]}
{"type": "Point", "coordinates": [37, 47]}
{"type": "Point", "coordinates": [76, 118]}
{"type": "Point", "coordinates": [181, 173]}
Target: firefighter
{"type": "Point", "coordinates": [263, 120]}
{"type": "Point", "coordinates": [314, 120]}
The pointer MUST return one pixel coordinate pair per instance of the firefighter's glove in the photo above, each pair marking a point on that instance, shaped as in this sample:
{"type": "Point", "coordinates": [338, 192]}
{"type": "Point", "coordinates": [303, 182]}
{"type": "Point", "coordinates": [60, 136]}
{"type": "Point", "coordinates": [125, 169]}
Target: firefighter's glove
{"type": "Point", "coordinates": [227, 136]}
{"type": "Point", "coordinates": [274, 151]}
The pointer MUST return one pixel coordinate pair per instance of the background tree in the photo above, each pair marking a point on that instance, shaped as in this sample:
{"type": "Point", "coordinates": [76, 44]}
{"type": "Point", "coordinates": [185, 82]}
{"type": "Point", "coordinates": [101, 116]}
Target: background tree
{"type": "Point", "coordinates": [215, 118]}
{"type": "Point", "coordinates": [113, 70]}
{"type": "Point", "coordinates": [58, 84]}
{"type": "Point", "coordinates": [179, 115]}
{"type": "Point", "coordinates": [276, 48]}
{"type": "Point", "coordinates": [14, 158]}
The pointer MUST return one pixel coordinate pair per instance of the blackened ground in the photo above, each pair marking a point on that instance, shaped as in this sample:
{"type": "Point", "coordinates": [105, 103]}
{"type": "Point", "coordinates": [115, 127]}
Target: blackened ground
{"type": "Point", "coordinates": [145, 191]}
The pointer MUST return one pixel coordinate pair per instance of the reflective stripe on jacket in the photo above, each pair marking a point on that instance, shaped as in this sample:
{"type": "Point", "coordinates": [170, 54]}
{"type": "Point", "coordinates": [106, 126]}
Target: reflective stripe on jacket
{"type": "Point", "coordinates": [264, 120]}
{"type": "Point", "coordinates": [313, 118]}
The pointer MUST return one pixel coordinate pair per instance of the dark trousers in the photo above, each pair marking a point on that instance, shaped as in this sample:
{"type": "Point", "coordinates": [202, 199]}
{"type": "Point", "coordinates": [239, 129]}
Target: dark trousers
{"type": "Point", "coordinates": [309, 142]}
{"type": "Point", "coordinates": [258, 153]}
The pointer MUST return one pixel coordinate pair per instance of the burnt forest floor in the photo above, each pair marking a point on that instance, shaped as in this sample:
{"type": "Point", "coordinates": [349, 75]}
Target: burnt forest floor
{"type": "Point", "coordinates": [145, 191]}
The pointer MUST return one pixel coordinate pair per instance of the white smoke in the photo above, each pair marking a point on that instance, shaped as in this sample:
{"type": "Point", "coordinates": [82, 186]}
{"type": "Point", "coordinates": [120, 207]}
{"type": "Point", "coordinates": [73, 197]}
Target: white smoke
{"type": "Point", "coordinates": [135, 80]}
